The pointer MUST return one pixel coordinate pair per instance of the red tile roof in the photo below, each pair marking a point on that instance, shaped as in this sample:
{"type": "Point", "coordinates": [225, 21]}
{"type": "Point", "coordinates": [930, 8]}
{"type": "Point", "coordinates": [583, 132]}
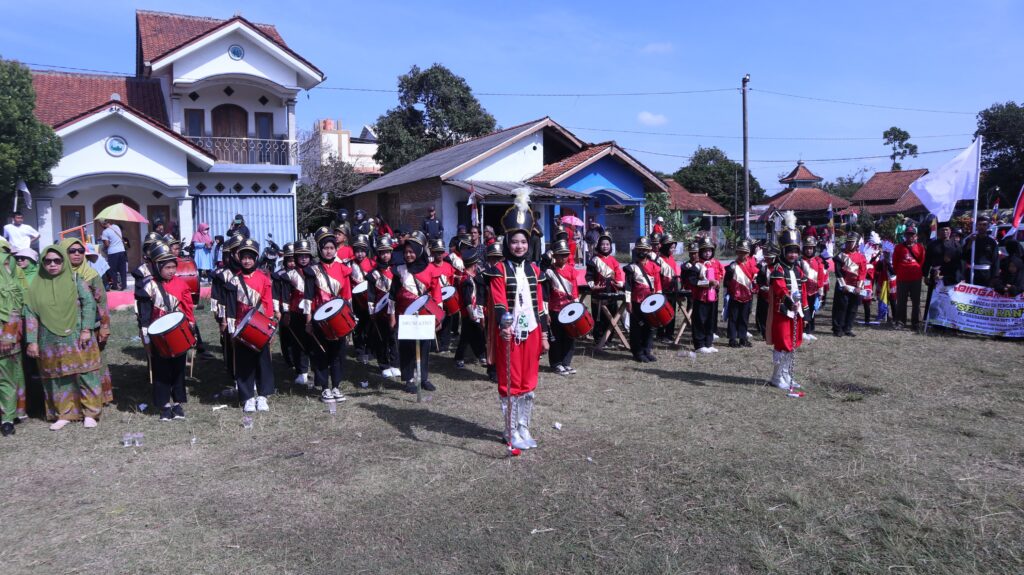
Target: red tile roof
{"type": "Point", "coordinates": [158, 33]}
{"type": "Point", "coordinates": [800, 173]}
{"type": "Point", "coordinates": [889, 186]}
{"type": "Point", "coordinates": [682, 199]}
{"type": "Point", "coordinates": [61, 96]}
{"type": "Point", "coordinates": [553, 171]}
{"type": "Point", "coordinates": [806, 200]}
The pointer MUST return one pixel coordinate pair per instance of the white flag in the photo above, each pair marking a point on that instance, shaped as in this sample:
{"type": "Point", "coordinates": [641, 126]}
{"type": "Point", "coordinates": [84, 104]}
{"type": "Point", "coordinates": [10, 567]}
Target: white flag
{"type": "Point", "coordinates": [22, 187]}
{"type": "Point", "coordinates": [957, 180]}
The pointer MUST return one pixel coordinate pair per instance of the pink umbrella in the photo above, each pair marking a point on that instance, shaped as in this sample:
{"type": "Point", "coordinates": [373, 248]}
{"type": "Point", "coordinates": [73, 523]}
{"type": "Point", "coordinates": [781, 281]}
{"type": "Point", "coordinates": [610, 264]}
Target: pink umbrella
{"type": "Point", "coordinates": [572, 220]}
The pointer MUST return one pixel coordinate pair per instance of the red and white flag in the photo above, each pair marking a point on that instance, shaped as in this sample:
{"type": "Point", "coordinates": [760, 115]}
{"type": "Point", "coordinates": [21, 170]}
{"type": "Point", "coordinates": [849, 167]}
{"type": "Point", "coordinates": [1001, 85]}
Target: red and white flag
{"type": "Point", "coordinates": [1018, 212]}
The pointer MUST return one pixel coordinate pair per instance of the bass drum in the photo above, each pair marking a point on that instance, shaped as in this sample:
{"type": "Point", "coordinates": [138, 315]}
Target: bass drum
{"type": "Point", "coordinates": [424, 305]}
{"type": "Point", "coordinates": [335, 319]}
{"type": "Point", "coordinates": [450, 300]}
{"type": "Point", "coordinates": [576, 320]}
{"type": "Point", "coordinates": [255, 330]}
{"type": "Point", "coordinates": [361, 298]}
{"type": "Point", "coordinates": [188, 272]}
{"type": "Point", "coordinates": [657, 310]}
{"type": "Point", "coordinates": [171, 335]}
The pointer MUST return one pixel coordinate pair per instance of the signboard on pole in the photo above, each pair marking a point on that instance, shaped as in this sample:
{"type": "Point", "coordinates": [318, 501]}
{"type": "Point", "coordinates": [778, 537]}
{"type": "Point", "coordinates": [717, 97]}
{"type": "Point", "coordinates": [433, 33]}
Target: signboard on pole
{"type": "Point", "coordinates": [416, 327]}
{"type": "Point", "coordinates": [977, 309]}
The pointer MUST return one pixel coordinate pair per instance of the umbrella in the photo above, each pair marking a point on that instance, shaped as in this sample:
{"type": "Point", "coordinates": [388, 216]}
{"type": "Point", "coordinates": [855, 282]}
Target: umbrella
{"type": "Point", "coordinates": [121, 213]}
{"type": "Point", "coordinates": [572, 221]}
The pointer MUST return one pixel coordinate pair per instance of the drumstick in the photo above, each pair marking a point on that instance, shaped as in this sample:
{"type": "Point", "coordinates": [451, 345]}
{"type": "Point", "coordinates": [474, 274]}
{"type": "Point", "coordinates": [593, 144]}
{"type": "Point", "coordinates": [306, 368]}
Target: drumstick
{"type": "Point", "coordinates": [191, 363]}
{"type": "Point", "coordinates": [295, 338]}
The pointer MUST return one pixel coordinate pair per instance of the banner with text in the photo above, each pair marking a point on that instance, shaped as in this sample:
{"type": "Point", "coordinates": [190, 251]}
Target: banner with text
{"type": "Point", "coordinates": [977, 309]}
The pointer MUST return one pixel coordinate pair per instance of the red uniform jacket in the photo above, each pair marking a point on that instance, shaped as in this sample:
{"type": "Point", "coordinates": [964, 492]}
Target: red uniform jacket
{"type": "Point", "coordinates": [783, 332]}
{"type": "Point", "coordinates": [709, 270]}
{"type": "Point", "coordinates": [326, 281]}
{"type": "Point", "coordinates": [851, 268]}
{"type": "Point", "coordinates": [251, 290]}
{"type": "Point", "coordinates": [740, 280]}
{"type": "Point", "coordinates": [444, 272]}
{"type": "Point", "coordinates": [155, 299]}
{"type": "Point", "coordinates": [345, 254]}
{"type": "Point", "coordinates": [669, 270]}
{"type": "Point", "coordinates": [520, 354]}
{"type": "Point", "coordinates": [642, 280]}
{"type": "Point", "coordinates": [561, 287]}
{"type": "Point", "coordinates": [816, 274]}
{"type": "Point", "coordinates": [408, 287]}
{"type": "Point", "coordinates": [604, 274]}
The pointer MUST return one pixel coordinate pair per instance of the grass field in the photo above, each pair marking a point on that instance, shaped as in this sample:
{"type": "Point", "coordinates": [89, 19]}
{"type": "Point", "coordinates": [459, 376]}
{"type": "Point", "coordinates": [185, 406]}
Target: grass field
{"type": "Point", "coordinates": [906, 456]}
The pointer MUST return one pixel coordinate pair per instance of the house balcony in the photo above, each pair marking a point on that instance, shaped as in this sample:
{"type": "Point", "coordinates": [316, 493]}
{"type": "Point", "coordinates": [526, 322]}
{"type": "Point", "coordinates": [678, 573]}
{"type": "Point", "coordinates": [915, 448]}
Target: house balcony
{"type": "Point", "coordinates": [249, 151]}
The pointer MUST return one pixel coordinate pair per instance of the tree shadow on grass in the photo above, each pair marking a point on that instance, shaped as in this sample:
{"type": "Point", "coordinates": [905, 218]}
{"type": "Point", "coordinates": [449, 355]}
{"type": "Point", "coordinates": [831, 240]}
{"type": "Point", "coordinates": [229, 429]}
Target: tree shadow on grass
{"type": "Point", "coordinates": [407, 420]}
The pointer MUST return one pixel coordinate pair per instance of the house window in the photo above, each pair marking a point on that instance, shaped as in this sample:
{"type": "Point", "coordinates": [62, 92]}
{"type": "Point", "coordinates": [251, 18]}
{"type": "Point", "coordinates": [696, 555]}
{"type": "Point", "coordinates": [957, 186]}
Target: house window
{"type": "Point", "coordinates": [266, 150]}
{"type": "Point", "coordinates": [264, 125]}
{"type": "Point", "coordinates": [195, 123]}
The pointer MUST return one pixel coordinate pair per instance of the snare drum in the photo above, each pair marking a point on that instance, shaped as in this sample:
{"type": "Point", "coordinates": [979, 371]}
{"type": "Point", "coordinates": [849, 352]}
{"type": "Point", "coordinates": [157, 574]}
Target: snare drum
{"type": "Point", "coordinates": [361, 298]}
{"type": "Point", "coordinates": [170, 335]}
{"type": "Point", "coordinates": [188, 272]}
{"type": "Point", "coordinates": [450, 300]}
{"type": "Point", "coordinates": [335, 319]}
{"type": "Point", "coordinates": [381, 305]}
{"type": "Point", "coordinates": [657, 310]}
{"type": "Point", "coordinates": [576, 320]}
{"type": "Point", "coordinates": [255, 330]}
{"type": "Point", "coordinates": [424, 305]}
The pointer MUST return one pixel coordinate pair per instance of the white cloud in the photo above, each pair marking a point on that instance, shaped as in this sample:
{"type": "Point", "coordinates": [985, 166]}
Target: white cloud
{"type": "Point", "coordinates": [657, 48]}
{"type": "Point", "coordinates": [651, 119]}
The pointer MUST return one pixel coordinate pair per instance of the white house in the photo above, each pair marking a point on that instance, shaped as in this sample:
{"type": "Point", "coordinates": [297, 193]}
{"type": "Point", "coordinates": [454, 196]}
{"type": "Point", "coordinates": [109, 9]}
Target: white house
{"type": "Point", "coordinates": [204, 130]}
{"type": "Point", "coordinates": [343, 146]}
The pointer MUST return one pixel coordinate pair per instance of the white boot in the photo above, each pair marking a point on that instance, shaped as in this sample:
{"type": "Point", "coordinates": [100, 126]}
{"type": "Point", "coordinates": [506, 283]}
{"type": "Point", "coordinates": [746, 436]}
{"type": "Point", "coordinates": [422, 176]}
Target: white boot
{"type": "Point", "coordinates": [779, 373]}
{"type": "Point", "coordinates": [790, 361]}
{"type": "Point", "coordinates": [514, 439]}
{"type": "Point", "coordinates": [525, 412]}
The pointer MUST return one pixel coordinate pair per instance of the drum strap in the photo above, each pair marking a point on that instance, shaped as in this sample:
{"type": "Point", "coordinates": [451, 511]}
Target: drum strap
{"type": "Point", "coordinates": [327, 280]}
{"type": "Point", "coordinates": [245, 288]}
{"type": "Point", "coordinates": [164, 295]}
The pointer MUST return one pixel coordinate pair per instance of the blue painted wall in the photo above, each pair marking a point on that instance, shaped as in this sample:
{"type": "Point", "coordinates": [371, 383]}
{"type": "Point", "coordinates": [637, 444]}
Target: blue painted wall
{"type": "Point", "coordinates": [607, 173]}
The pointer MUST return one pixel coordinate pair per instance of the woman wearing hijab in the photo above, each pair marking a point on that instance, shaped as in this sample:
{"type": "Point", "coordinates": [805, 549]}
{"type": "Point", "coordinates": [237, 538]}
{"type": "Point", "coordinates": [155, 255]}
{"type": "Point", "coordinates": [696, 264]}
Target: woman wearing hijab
{"type": "Point", "coordinates": [59, 316]}
{"type": "Point", "coordinates": [326, 280]}
{"type": "Point", "coordinates": [28, 260]}
{"type": "Point", "coordinates": [101, 328]}
{"type": "Point", "coordinates": [1010, 280]}
{"type": "Point", "coordinates": [12, 378]}
{"type": "Point", "coordinates": [413, 279]}
{"type": "Point", "coordinates": [202, 249]}
{"type": "Point", "coordinates": [516, 292]}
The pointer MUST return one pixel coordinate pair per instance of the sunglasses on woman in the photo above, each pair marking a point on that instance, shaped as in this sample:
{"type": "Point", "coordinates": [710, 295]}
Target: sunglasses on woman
{"type": "Point", "coordinates": [76, 251]}
{"type": "Point", "coordinates": [53, 261]}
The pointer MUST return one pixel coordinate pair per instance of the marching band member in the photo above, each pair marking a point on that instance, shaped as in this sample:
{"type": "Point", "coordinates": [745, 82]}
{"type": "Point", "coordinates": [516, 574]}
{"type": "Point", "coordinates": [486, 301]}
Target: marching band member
{"type": "Point", "coordinates": [495, 255]}
{"type": "Point", "coordinates": [471, 298]}
{"type": "Point", "coordinates": [643, 278]}
{"type": "Point", "coordinates": [764, 270]}
{"type": "Point", "coordinates": [143, 270]}
{"type": "Point", "coordinates": [327, 279]}
{"type": "Point", "coordinates": [162, 293]}
{"type": "Point", "coordinates": [414, 278]}
{"type": "Point", "coordinates": [247, 289]}
{"type": "Point", "coordinates": [361, 265]}
{"type": "Point", "coordinates": [788, 303]}
{"type": "Point", "coordinates": [294, 318]}
{"type": "Point", "coordinates": [383, 338]}
{"type": "Point", "coordinates": [874, 274]}
{"type": "Point", "coordinates": [281, 288]}
{"type": "Point", "coordinates": [175, 245]}
{"type": "Point", "coordinates": [817, 278]}
{"type": "Point", "coordinates": [219, 296]}
{"type": "Point", "coordinates": [515, 289]}
{"type": "Point", "coordinates": [686, 271]}
{"type": "Point", "coordinates": [665, 259]}
{"type": "Point", "coordinates": [851, 269]}
{"type": "Point", "coordinates": [445, 274]}
{"type": "Point", "coordinates": [739, 282]}
{"type": "Point", "coordinates": [605, 278]}
{"type": "Point", "coordinates": [560, 290]}
{"type": "Point", "coordinates": [344, 253]}
{"type": "Point", "coordinates": [705, 277]}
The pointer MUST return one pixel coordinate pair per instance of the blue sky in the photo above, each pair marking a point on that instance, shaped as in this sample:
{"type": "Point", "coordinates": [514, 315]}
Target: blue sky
{"type": "Point", "coordinates": [940, 55]}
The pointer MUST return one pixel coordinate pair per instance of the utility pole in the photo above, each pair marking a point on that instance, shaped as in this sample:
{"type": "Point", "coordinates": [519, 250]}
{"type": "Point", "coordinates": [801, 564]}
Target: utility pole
{"type": "Point", "coordinates": [735, 191]}
{"type": "Point", "coordinates": [746, 164]}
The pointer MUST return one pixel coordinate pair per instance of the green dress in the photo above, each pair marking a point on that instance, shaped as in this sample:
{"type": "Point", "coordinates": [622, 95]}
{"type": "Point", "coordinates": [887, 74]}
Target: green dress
{"type": "Point", "coordinates": [70, 373]}
{"type": "Point", "coordinates": [99, 294]}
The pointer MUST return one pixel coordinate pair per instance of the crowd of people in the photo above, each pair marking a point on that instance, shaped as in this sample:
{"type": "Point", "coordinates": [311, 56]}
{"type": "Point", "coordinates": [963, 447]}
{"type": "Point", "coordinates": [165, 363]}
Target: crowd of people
{"type": "Point", "coordinates": [509, 300]}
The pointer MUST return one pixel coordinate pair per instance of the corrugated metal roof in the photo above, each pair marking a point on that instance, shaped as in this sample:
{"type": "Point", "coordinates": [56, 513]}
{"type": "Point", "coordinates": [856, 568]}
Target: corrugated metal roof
{"type": "Point", "coordinates": [436, 164]}
{"type": "Point", "coordinates": [486, 190]}
{"type": "Point", "coordinates": [263, 214]}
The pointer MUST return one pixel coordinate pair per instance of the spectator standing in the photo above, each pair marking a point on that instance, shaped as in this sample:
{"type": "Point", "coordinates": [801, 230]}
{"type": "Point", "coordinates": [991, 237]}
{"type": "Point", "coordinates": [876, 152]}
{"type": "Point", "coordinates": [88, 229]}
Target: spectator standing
{"type": "Point", "coordinates": [659, 225]}
{"type": "Point", "coordinates": [238, 227]}
{"type": "Point", "coordinates": [908, 261]}
{"type": "Point", "coordinates": [117, 258]}
{"type": "Point", "coordinates": [19, 234]}
{"type": "Point", "coordinates": [432, 227]}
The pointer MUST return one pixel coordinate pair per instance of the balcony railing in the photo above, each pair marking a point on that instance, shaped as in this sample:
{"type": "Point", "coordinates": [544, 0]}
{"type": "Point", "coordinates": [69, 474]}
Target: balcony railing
{"type": "Point", "coordinates": [248, 150]}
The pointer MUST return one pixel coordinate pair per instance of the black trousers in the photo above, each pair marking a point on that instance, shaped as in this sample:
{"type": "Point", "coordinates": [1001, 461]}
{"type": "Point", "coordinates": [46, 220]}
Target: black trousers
{"type": "Point", "coordinates": [668, 331]}
{"type": "Point", "coordinates": [301, 344]}
{"type": "Point", "coordinates": [200, 346]}
{"type": "Point", "coordinates": [704, 323]}
{"type": "Point", "coordinates": [844, 310]}
{"type": "Point", "coordinates": [361, 333]}
{"type": "Point", "coordinates": [328, 362]}
{"type": "Point", "coordinates": [443, 340]}
{"type": "Point", "coordinates": [761, 315]}
{"type": "Point", "coordinates": [168, 380]}
{"type": "Point", "coordinates": [384, 342]}
{"type": "Point", "coordinates": [641, 334]}
{"type": "Point", "coordinates": [287, 344]}
{"type": "Point", "coordinates": [228, 351]}
{"type": "Point", "coordinates": [562, 348]}
{"type": "Point", "coordinates": [254, 374]}
{"type": "Point", "coordinates": [981, 277]}
{"type": "Point", "coordinates": [912, 291]}
{"type": "Point", "coordinates": [473, 338]}
{"type": "Point", "coordinates": [407, 356]}
{"type": "Point", "coordinates": [812, 300]}
{"type": "Point", "coordinates": [739, 317]}
{"type": "Point", "coordinates": [118, 272]}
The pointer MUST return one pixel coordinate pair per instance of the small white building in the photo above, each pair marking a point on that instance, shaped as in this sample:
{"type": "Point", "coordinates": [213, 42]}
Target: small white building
{"type": "Point", "coordinates": [357, 151]}
{"type": "Point", "coordinates": [204, 130]}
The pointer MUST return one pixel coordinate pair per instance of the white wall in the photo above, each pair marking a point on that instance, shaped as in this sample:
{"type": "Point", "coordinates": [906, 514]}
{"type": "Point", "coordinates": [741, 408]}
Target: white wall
{"type": "Point", "coordinates": [246, 96]}
{"type": "Point", "coordinates": [516, 163]}
{"type": "Point", "coordinates": [148, 155]}
{"type": "Point", "coordinates": [213, 60]}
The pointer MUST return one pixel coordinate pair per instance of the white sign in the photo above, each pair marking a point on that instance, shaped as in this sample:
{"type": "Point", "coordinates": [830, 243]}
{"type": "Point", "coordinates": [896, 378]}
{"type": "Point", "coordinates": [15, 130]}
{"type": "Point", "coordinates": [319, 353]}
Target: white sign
{"type": "Point", "coordinates": [416, 327]}
{"type": "Point", "coordinates": [977, 309]}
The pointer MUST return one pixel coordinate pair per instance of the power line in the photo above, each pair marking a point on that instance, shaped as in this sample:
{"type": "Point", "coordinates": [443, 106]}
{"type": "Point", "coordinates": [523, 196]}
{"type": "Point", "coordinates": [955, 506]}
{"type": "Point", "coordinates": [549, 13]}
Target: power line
{"type": "Point", "coordinates": [546, 94]}
{"type": "Point", "coordinates": [880, 106]}
{"type": "Point", "coordinates": [785, 138]}
{"type": "Point", "coordinates": [819, 160]}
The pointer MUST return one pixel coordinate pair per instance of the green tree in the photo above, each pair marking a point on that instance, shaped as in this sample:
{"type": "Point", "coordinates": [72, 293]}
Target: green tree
{"type": "Point", "coordinates": [899, 141]}
{"type": "Point", "coordinates": [711, 172]}
{"type": "Point", "coordinates": [435, 109]}
{"type": "Point", "coordinates": [28, 147]}
{"type": "Point", "coordinates": [846, 186]}
{"type": "Point", "coordinates": [1002, 152]}
{"type": "Point", "coordinates": [326, 183]}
